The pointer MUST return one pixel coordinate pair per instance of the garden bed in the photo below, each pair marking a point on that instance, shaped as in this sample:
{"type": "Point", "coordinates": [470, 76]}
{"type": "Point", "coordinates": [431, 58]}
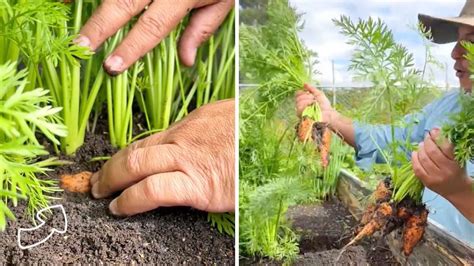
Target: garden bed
{"type": "Point", "coordinates": [324, 229]}
{"type": "Point", "coordinates": [167, 235]}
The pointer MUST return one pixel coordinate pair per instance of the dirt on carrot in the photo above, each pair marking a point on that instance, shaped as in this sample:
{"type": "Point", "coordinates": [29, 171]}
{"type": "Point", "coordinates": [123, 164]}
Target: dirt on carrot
{"type": "Point", "coordinates": [77, 183]}
{"type": "Point", "coordinates": [414, 230]}
{"type": "Point", "coordinates": [305, 128]}
{"type": "Point", "coordinates": [325, 145]}
{"type": "Point", "coordinates": [386, 216]}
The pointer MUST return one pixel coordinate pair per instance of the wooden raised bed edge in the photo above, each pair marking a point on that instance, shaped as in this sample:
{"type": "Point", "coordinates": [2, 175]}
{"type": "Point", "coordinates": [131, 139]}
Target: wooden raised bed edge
{"type": "Point", "coordinates": [438, 247]}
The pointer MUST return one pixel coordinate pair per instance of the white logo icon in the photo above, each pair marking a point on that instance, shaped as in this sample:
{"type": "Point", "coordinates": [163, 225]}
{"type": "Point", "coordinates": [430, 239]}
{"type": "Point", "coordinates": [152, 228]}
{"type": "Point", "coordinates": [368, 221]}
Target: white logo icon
{"type": "Point", "coordinates": [42, 222]}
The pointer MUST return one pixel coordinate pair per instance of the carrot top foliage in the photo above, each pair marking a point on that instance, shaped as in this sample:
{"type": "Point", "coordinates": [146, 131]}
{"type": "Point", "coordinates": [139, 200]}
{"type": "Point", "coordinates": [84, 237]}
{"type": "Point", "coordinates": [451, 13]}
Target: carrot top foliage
{"type": "Point", "coordinates": [399, 88]}
{"type": "Point", "coordinates": [461, 130]}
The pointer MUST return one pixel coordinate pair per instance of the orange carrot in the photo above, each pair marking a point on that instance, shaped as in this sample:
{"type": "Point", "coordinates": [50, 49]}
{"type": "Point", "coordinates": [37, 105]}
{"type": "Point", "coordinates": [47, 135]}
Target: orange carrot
{"type": "Point", "coordinates": [325, 146]}
{"type": "Point", "coordinates": [380, 217]}
{"type": "Point", "coordinates": [382, 193]}
{"type": "Point", "coordinates": [305, 127]}
{"type": "Point", "coordinates": [77, 183]}
{"type": "Point", "coordinates": [414, 230]}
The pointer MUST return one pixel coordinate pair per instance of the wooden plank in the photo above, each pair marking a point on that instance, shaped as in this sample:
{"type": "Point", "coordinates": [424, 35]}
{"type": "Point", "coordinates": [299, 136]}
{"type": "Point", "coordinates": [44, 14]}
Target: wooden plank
{"type": "Point", "coordinates": [438, 247]}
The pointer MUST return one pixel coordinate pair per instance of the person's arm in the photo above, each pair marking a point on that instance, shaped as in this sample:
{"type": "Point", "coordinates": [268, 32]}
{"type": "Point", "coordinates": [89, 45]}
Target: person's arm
{"type": "Point", "coordinates": [367, 140]}
{"type": "Point", "coordinates": [435, 166]}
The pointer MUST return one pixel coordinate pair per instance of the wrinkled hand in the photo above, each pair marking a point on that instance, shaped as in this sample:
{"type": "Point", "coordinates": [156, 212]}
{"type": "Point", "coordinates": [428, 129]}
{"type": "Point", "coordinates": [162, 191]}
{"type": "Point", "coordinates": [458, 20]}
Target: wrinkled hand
{"type": "Point", "coordinates": [435, 166]}
{"type": "Point", "coordinates": [312, 95]}
{"type": "Point", "coordinates": [190, 164]}
{"type": "Point", "coordinates": [154, 25]}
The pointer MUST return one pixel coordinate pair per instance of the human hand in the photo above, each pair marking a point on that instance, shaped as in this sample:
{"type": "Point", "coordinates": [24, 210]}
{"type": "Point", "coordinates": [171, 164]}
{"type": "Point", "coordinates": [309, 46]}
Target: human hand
{"type": "Point", "coordinates": [190, 164]}
{"type": "Point", "coordinates": [435, 166]}
{"type": "Point", "coordinates": [312, 95]}
{"type": "Point", "coordinates": [153, 26]}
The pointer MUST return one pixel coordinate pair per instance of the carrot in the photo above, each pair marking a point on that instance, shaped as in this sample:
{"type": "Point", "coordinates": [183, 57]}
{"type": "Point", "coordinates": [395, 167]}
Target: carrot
{"type": "Point", "coordinates": [366, 217]}
{"type": "Point", "coordinates": [414, 230]}
{"type": "Point", "coordinates": [324, 146]}
{"type": "Point", "coordinates": [77, 183]}
{"type": "Point", "coordinates": [380, 217]}
{"type": "Point", "coordinates": [305, 128]}
{"type": "Point", "coordinates": [382, 193]}
{"type": "Point", "coordinates": [403, 213]}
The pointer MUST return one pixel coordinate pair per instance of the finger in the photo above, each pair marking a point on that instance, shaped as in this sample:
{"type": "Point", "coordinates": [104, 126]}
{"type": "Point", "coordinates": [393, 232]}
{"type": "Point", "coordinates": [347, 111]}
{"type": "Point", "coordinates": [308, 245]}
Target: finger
{"type": "Point", "coordinates": [443, 144]}
{"type": "Point", "coordinates": [312, 89]}
{"type": "Point", "coordinates": [437, 156]}
{"type": "Point", "coordinates": [418, 169]}
{"type": "Point", "coordinates": [108, 18]}
{"type": "Point", "coordinates": [426, 161]}
{"type": "Point", "coordinates": [159, 190]}
{"type": "Point", "coordinates": [152, 27]}
{"type": "Point", "coordinates": [152, 140]}
{"type": "Point", "coordinates": [155, 139]}
{"type": "Point", "coordinates": [129, 166]}
{"type": "Point", "coordinates": [306, 102]}
{"type": "Point", "coordinates": [299, 92]}
{"type": "Point", "coordinates": [304, 96]}
{"type": "Point", "coordinates": [203, 23]}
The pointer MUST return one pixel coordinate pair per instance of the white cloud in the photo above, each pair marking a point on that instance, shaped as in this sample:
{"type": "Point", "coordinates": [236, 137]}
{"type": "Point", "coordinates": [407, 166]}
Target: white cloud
{"type": "Point", "coordinates": [321, 35]}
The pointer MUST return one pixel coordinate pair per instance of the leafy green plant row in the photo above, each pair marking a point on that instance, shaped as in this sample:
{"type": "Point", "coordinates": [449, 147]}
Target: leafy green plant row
{"type": "Point", "coordinates": [38, 35]}
{"type": "Point", "coordinates": [276, 171]}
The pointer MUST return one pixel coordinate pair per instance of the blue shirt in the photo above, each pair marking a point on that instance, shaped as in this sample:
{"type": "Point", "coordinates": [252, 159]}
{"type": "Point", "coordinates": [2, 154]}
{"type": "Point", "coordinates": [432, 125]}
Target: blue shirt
{"type": "Point", "coordinates": [369, 138]}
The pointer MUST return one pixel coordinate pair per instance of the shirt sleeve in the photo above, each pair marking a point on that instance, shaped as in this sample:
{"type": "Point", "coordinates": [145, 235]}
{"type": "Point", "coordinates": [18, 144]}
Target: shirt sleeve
{"type": "Point", "coordinates": [371, 140]}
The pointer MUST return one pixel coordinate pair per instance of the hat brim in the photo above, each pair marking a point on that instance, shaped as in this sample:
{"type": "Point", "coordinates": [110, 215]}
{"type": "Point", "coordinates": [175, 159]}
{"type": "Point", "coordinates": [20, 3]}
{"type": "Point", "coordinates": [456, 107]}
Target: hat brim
{"type": "Point", "coordinates": [444, 30]}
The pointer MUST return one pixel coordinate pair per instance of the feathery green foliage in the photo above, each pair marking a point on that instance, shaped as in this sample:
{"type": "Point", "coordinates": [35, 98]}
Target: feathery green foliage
{"type": "Point", "coordinates": [398, 86]}
{"type": "Point", "coordinates": [22, 113]}
{"type": "Point", "coordinates": [276, 171]}
{"type": "Point", "coordinates": [460, 131]}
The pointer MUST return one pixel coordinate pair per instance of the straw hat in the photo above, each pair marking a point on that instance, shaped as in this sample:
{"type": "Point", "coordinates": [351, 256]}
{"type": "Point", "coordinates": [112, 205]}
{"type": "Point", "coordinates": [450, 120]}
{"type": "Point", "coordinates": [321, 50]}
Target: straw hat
{"type": "Point", "coordinates": [445, 30]}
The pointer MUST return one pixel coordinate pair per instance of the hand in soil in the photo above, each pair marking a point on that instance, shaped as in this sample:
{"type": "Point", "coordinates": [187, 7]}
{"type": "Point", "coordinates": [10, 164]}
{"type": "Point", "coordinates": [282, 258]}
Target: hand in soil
{"type": "Point", "coordinates": [78, 183]}
{"type": "Point", "coordinates": [159, 19]}
{"type": "Point", "coordinates": [190, 164]}
{"type": "Point", "coordinates": [312, 95]}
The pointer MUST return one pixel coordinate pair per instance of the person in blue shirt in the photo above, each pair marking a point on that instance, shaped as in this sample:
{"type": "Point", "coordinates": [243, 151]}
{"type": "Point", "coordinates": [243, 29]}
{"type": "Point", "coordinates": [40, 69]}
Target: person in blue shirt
{"type": "Point", "coordinates": [448, 187]}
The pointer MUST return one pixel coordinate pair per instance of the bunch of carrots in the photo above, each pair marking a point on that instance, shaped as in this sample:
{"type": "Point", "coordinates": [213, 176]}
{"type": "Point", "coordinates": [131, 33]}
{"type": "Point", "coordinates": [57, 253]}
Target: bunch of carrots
{"type": "Point", "coordinates": [386, 215]}
{"type": "Point", "coordinates": [312, 128]}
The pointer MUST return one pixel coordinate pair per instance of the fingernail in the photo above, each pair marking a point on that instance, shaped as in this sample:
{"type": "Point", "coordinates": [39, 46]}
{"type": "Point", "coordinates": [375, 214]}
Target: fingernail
{"type": "Point", "coordinates": [113, 65]}
{"type": "Point", "coordinates": [95, 190]}
{"type": "Point", "coordinates": [113, 208]}
{"type": "Point", "coordinates": [82, 41]}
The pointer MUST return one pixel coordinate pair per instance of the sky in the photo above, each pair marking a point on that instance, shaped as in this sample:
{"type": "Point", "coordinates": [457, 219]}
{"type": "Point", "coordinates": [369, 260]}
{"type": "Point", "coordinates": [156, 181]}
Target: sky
{"type": "Point", "coordinates": [322, 36]}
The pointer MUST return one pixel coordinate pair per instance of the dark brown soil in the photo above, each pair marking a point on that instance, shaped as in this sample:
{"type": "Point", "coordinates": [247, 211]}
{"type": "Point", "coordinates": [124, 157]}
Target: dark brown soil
{"type": "Point", "coordinates": [324, 229]}
{"type": "Point", "coordinates": [163, 236]}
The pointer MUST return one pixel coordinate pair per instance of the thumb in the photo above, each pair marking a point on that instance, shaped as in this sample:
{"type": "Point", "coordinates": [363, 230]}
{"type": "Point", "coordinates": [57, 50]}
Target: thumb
{"type": "Point", "coordinates": [159, 190]}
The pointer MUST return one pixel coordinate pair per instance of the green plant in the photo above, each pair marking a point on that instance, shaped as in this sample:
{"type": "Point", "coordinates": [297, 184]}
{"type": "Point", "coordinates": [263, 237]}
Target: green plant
{"type": "Point", "coordinates": [167, 91]}
{"type": "Point", "coordinates": [224, 222]}
{"type": "Point", "coordinates": [461, 129]}
{"type": "Point", "coordinates": [22, 113]}
{"type": "Point", "coordinates": [397, 87]}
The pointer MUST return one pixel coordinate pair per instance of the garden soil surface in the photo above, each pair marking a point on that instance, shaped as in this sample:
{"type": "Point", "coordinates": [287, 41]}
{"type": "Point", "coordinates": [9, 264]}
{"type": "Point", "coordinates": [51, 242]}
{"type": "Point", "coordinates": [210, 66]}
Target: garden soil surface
{"type": "Point", "coordinates": [164, 236]}
{"type": "Point", "coordinates": [324, 229]}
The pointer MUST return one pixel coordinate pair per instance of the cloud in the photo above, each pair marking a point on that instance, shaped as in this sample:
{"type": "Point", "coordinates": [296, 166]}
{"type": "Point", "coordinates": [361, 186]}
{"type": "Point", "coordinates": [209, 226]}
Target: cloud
{"type": "Point", "coordinates": [321, 35]}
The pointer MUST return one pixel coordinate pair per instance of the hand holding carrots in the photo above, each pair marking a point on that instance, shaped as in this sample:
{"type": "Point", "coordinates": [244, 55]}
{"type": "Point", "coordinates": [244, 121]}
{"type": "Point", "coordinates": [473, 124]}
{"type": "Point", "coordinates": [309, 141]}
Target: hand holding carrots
{"type": "Point", "coordinates": [158, 19]}
{"type": "Point", "coordinates": [312, 95]}
{"type": "Point", "coordinates": [435, 166]}
{"type": "Point", "coordinates": [190, 164]}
